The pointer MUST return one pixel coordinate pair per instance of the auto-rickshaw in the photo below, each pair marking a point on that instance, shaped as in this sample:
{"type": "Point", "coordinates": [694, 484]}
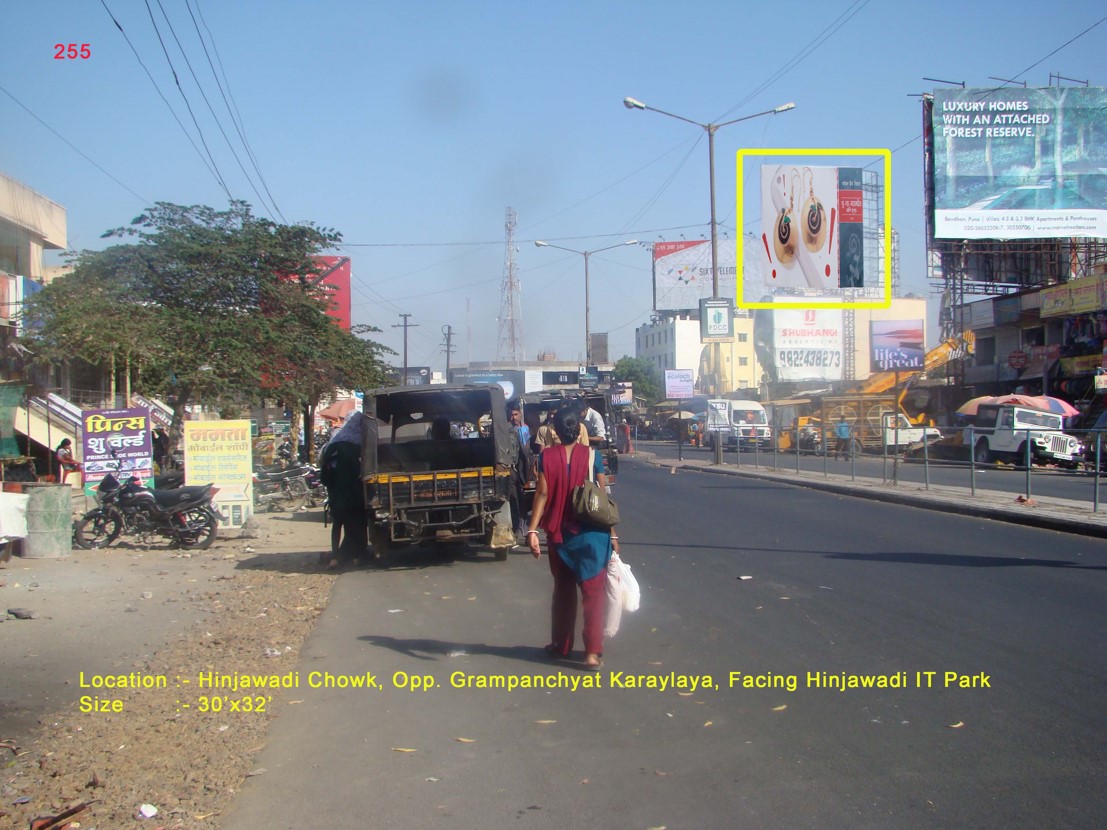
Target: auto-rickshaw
{"type": "Point", "coordinates": [436, 467]}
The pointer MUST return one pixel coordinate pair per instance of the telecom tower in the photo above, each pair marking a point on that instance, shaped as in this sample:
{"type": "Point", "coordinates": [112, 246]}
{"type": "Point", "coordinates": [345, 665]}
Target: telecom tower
{"type": "Point", "coordinates": [509, 346]}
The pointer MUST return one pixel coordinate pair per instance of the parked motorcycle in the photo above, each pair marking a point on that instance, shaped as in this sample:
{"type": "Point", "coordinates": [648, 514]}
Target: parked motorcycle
{"type": "Point", "coordinates": [184, 515]}
{"type": "Point", "coordinates": [282, 489]}
{"type": "Point", "coordinates": [317, 493]}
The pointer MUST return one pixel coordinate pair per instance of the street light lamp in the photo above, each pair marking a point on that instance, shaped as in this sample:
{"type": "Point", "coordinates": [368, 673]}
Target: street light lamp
{"type": "Point", "coordinates": [710, 129]}
{"type": "Point", "coordinates": [587, 324]}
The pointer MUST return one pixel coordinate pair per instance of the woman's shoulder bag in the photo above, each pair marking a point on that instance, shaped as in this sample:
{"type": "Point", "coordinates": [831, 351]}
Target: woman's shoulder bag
{"type": "Point", "coordinates": [590, 503]}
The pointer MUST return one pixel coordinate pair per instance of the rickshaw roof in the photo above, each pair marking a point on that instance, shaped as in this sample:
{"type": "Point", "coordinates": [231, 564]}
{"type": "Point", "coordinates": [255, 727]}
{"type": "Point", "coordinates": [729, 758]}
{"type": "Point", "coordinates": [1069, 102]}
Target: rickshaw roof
{"type": "Point", "coordinates": [454, 401]}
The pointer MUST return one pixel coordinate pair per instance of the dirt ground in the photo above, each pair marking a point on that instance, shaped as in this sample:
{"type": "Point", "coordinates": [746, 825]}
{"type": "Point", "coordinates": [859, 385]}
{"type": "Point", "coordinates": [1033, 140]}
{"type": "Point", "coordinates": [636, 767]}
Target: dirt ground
{"type": "Point", "coordinates": [134, 631]}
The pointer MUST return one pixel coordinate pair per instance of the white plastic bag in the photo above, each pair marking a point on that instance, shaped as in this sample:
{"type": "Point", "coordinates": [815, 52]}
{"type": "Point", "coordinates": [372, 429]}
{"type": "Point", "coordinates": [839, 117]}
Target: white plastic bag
{"type": "Point", "coordinates": [629, 586]}
{"type": "Point", "coordinates": [614, 597]}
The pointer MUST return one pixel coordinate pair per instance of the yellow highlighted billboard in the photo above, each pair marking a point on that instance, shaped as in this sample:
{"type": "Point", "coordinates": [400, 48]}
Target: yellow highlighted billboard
{"type": "Point", "coordinates": [885, 300]}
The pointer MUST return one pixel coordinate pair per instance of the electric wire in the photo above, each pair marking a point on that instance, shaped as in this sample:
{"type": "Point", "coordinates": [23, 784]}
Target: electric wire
{"type": "Point", "coordinates": [801, 55]}
{"type": "Point", "coordinates": [75, 149]}
{"type": "Point", "coordinates": [211, 109]}
{"type": "Point", "coordinates": [188, 106]}
{"type": "Point", "coordinates": [161, 94]}
{"type": "Point", "coordinates": [501, 242]}
{"type": "Point", "coordinates": [233, 112]}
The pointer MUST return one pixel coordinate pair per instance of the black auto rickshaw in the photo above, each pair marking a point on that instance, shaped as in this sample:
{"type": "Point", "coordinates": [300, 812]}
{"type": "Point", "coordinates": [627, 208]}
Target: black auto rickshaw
{"type": "Point", "coordinates": [436, 467]}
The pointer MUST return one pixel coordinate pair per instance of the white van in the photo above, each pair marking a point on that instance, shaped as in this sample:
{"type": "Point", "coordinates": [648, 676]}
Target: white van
{"type": "Point", "coordinates": [717, 424]}
{"type": "Point", "coordinates": [751, 425]}
{"type": "Point", "coordinates": [737, 424]}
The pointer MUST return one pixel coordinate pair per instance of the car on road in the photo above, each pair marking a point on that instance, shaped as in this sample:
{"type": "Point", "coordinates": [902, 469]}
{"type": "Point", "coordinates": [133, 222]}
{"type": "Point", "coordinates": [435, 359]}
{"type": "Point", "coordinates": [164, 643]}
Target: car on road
{"type": "Point", "coordinates": [1003, 432]}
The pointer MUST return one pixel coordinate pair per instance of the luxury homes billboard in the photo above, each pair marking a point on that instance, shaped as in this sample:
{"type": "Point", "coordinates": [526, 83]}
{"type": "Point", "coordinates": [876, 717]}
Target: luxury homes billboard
{"type": "Point", "coordinates": [1020, 163]}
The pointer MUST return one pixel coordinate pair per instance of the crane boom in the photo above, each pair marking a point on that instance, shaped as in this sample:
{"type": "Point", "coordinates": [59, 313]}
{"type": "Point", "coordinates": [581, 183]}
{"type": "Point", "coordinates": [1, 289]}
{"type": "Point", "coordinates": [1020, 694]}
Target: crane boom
{"type": "Point", "coordinates": [949, 349]}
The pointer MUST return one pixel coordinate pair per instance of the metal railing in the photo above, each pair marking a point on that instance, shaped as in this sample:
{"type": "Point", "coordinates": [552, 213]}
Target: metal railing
{"type": "Point", "coordinates": [1047, 462]}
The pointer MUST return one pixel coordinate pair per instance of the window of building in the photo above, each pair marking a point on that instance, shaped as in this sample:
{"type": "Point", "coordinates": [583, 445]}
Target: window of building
{"type": "Point", "coordinates": [743, 361]}
{"type": "Point", "coordinates": [743, 337]}
{"type": "Point", "coordinates": [985, 351]}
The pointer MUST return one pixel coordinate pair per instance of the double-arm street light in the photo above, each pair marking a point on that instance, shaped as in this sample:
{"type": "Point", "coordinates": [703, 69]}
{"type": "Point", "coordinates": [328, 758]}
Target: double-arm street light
{"type": "Point", "coordinates": [587, 323]}
{"type": "Point", "coordinates": [710, 129]}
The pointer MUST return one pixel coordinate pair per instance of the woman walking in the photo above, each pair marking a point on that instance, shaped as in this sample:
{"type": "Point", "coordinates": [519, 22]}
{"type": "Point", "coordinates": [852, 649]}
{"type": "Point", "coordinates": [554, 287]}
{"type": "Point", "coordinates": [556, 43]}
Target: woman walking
{"type": "Point", "coordinates": [578, 553]}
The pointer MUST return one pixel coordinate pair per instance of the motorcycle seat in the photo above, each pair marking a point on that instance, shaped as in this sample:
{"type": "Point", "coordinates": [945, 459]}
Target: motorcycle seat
{"type": "Point", "coordinates": [181, 495]}
{"type": "Point", "coordinates": [280, 475]}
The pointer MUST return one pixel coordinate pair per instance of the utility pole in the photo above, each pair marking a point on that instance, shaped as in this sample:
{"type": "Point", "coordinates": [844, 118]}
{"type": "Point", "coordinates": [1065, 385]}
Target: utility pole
{"type": "Point", "coordinates": [448, 333]}
{"type": "Point", "coordinates": [405, 325]}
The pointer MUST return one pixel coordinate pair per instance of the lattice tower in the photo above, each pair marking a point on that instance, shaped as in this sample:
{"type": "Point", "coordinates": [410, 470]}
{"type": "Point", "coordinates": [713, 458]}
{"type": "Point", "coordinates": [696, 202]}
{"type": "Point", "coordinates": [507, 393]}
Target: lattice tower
{"type": "Point", "coordinates": [509, 345]}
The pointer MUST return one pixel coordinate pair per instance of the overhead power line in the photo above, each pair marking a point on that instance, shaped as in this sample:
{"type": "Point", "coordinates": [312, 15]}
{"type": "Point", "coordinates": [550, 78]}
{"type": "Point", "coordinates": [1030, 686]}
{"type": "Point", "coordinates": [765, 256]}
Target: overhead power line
{"type": "Point", "coordinates": [188, 106]}
{"type": "Point", "coordinates": [211, 109]}
{"type": "Point", "coordinates": [162, 95]}
{"type": "Point", "coordinates": [236, 117]}
{"type": "Point", "coordinates": [75, 149]}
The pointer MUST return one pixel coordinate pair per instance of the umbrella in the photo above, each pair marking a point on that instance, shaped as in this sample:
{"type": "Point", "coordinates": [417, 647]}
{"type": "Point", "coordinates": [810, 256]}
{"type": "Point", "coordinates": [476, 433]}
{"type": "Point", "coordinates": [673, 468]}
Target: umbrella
{"type": "Point", "coordinates": [1021, 400]}
{"type": "Point", "coordinates": [338, 410]}
{"type": "Point", "coordinates": [970, 407]}
{"type": "Point", "coordinates": [1056, 405]}
{"type": "Point", "coordinates": [683, 415]}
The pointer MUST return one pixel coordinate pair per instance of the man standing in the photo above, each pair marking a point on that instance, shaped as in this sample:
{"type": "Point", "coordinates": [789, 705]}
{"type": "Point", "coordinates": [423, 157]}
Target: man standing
{"type": "Point", "coordinates": [521, 467]}
{"type": "Point", "coordinates": [842, 432]}
{"type": "Point", "coordinates": [593, 423]}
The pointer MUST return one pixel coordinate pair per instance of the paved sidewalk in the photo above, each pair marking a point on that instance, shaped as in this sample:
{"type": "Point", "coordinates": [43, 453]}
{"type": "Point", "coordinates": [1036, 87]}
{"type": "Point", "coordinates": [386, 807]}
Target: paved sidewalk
{"type": "Point", "coordinates": [1065, 515]}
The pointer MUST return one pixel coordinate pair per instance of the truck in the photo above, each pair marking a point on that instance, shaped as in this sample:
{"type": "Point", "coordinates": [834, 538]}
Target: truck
{"type": "Point", "coordinates": [436, 466]}
{"type": "Point", "coordinates": [1000, 432]}
{"type": "Point", "coordinates": [737, 424]}
{"type": "Point", "coordinates": [877, 425]}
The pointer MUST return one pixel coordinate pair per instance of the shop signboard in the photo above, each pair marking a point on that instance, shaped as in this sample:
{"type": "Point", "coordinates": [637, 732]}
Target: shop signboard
{"type": "Point", "coordinates": [116, 441]}
{"type": "Point", "coordinates": [679, 383]}
{"type": "Point", "coordinates": [221, 452]}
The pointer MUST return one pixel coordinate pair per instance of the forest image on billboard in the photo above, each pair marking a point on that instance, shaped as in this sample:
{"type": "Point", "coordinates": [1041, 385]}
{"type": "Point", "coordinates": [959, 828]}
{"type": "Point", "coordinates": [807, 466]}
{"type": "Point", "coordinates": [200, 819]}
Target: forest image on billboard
{"type": "Point", "coordinates": [1020, 163]}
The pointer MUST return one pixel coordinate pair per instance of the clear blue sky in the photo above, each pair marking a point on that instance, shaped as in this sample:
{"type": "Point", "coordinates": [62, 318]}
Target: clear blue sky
{"type": "Point", "coordinates": [407, 126]}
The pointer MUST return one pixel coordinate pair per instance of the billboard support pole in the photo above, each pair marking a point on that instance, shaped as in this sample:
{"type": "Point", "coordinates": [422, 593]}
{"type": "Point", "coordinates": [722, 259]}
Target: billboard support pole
{"type": "Point", "coordinates": [895, 416]}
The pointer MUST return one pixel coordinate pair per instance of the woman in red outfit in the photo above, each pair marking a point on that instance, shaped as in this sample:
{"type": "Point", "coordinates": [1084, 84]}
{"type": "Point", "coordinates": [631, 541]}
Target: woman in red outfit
{"type": "Point", "coordinates": [578, 553]}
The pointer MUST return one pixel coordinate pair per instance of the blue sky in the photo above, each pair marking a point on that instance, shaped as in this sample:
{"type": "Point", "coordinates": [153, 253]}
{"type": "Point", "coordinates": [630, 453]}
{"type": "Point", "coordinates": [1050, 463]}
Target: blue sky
{"type": "Point", "coordinates": [411, 127]}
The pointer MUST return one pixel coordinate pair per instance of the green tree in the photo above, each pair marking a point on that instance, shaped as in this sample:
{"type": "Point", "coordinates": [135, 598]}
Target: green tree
{"type": "Point", "coordinates": [643, 374]}
{"type": "Point", "coordinates": [209, 303]}
{"type": "Point", "coordinates": [314, 358]}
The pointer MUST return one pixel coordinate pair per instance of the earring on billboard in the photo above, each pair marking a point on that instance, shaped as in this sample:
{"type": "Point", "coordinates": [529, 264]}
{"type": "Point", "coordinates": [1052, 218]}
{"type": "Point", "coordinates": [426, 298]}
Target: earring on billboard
{"type": "Point", "coordinates": [814, 217]}
{"type": "Point", "coordinates": [784, 232]}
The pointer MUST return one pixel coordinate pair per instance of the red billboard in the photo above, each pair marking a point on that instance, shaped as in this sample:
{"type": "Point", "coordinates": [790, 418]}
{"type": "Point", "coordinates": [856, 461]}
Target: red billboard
{"type": "Point", "coordinates": [335, 277]}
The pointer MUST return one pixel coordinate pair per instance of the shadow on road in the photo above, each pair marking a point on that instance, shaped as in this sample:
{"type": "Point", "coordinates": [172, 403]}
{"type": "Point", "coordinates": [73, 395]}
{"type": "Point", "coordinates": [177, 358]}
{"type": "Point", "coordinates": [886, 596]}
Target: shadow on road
{"type": "Point", "coordinates": [433, 650]}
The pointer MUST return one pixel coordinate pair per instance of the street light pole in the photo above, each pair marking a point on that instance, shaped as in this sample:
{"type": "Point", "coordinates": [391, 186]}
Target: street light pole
{"type": "Point", "coordinates": [710, 129]}
{"type": "Point", "coordinates": [587, 303]}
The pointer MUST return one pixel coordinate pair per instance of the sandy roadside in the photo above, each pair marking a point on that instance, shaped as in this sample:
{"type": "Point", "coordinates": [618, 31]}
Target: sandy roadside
{"type": "Point", "coordinates": [246, 603]}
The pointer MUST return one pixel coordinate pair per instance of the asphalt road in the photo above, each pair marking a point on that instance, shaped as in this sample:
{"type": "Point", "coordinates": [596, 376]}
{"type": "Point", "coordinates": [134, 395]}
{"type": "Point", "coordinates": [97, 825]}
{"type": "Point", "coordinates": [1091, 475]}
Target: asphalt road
{"type": "Point", "coordinates": [1045, 481]}
{"type": "Point", "coordinates": [840, 587]}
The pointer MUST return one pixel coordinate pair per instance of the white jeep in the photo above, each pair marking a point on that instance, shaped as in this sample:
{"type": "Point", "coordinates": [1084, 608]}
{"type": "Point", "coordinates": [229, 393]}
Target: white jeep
{"type": "Point", "coordinates": [1002, 431]}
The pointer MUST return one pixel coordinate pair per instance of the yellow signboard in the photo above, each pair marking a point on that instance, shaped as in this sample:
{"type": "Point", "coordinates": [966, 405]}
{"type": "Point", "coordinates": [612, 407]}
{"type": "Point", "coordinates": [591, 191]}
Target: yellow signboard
{"type": "Point", "coordinates": [222, 452]}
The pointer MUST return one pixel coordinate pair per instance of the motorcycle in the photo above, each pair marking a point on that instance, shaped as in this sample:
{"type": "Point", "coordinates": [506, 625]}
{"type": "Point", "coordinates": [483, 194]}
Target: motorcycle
{"type": "Point", "coordinates": [282, 489]}
{"type": "Point", "coordinates": [317, 493]}
{"type": "Point", "coordinates": [184, 515]}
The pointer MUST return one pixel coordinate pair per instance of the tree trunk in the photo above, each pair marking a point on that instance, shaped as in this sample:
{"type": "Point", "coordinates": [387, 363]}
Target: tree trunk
{"type": "Point", "coordinates": [309, 430]}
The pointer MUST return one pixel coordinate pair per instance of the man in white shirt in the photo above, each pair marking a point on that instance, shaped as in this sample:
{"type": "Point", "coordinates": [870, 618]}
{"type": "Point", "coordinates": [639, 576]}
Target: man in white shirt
{"type": "Point", "coordinates": [593, 422]}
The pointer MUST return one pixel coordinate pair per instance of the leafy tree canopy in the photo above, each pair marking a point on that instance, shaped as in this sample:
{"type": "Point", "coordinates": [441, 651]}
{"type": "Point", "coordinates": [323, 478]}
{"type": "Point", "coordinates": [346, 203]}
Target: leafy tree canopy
{"type": "Point", "coordinates": [643, 374]}
{"type": "Point", "coordinates": [212, 307]}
